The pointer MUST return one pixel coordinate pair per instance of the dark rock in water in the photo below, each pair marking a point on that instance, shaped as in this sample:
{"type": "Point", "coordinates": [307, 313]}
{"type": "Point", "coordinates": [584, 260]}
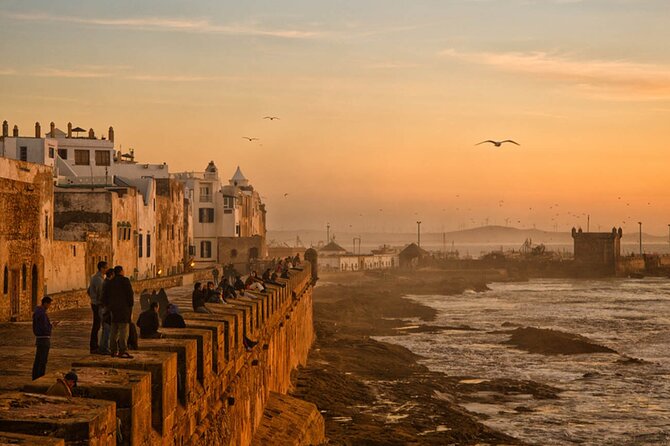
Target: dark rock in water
{"type": "Point", "coordinates": [523, 409]}
{"type": "Point", "coordinates": [591, 375]}
{"type": "Point", "coordinates": [627, 360]}
{"type": "Point", "coordinates": [553, 342]}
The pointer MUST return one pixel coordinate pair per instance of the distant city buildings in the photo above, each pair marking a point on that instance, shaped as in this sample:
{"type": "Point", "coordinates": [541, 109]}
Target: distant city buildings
{"type": "Point", "coordinates": [71, 199]}
{"type": "Point", "coordinates": [333, 257]}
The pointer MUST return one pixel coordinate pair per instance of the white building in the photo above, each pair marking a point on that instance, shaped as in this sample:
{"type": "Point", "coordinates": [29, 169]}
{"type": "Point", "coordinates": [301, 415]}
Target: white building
{"type": "Point", "coordinates": [220, 211]}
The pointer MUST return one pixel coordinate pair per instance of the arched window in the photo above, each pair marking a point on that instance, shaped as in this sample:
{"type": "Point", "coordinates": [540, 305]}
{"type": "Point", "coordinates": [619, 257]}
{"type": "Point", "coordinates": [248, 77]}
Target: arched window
{"type": "Point", "coordinates": [5, 281]}
{"type": "Point", "coordinates": [253, 253]}
{"type": "Point", "coordinates": [233, 253]}
{"type": "Point", "coordinates": [24, 278]}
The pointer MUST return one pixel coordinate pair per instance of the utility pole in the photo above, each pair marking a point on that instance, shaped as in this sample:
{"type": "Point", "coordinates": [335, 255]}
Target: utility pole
{"type": "Point", "coordinates": [327, 233]}
{"type": "Point", "coordinates": [418, 233]}
{"type": "Point", "coordinates": [588, 223]}
{"type": "Point", "coordinates": [640, 223]}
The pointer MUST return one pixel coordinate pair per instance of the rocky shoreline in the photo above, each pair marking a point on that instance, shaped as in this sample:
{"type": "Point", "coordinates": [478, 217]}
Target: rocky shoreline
{"type": "Point", "coordinates": [376, 393]}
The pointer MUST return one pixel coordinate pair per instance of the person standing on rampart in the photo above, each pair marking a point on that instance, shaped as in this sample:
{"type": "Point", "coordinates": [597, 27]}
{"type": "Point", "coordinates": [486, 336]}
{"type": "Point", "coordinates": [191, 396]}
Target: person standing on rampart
{"type": "Point", "coordinates": [118, 297]}
{"type": "Point", "coordinates": [95, 293]}
{"type": "Point", "coordinates": [42, 327]}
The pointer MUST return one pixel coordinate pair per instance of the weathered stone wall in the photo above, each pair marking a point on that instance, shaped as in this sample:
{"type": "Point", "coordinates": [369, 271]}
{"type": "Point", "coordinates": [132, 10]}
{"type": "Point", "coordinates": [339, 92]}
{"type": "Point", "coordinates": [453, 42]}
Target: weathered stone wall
{"type": "Point", "coordinates": [170, 226]}
{"type": "Point", "coordinates": [25, 235]}
{"type": "Point", "coordinates": [66, 269]}
{"type": "Point", "coordinates": [240, 251]}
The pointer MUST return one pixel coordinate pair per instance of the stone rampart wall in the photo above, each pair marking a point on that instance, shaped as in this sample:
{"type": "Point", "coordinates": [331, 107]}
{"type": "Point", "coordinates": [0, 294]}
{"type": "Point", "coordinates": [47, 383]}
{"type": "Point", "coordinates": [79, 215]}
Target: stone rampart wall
{"type": "Point", "coordinates": [195, 386]}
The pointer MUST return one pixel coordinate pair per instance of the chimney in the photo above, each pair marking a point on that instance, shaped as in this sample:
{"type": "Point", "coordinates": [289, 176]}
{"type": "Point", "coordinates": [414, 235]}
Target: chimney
{"type": "Point", "coordinates": [111, 133]}
{"type": "Point", "coordinates": [69, 130]}
{"type": "Point", "coordinates": [15, 131]}
{"type": "Point", "coordinates": [38, 130]}
{"type": "Point", "coordinates": [52, 129]}
{"type": "Point", "coordinates": [91, 134]}
{"type": "Point", "coordinates": [5, 128]}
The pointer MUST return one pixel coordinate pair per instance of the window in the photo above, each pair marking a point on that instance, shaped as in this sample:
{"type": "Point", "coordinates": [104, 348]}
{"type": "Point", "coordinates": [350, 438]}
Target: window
{"type": "Point", "coordinates": [191, 250]}
{"type": "Point", "coordinates": [140, 246]}
{"type": "Point", "coordinates": [82, 158]}
{"type": "Point", "coordinates": [5, 281]}
{"type": "Point", "coordinates": [233, 253]}
{"type": "Point", "coordinates": [46, 226]}
{"type": "Point", "coordinates": [158, 235]}
{"type": "Point", "coordinates": [51, 152]}
{"type": "Point", "coordinates": [228, 202]}
{"type": "Point", "coordinates": [74, 250]}
{"type": "Point", "coordinates": [205, 194]}
{"type": "Point", "coordinates": [205, 249]}
{"type": "Point", "coordinates": [102, 158]}
{"type": "Point", "coordinates": [24, 278]}
{"type": "Point", "coordinates": [206, 215]}
{"type": "Point", "coordinates": [62, 153]}
{"type": "Point", "coordinates": [148, 245]}
{"type": "Point", "coordinates": [23, 153]}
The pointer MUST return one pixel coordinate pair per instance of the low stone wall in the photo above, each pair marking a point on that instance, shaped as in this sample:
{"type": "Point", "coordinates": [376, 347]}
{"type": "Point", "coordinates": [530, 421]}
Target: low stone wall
{"type": "Point", "coordinates": [195, 386]}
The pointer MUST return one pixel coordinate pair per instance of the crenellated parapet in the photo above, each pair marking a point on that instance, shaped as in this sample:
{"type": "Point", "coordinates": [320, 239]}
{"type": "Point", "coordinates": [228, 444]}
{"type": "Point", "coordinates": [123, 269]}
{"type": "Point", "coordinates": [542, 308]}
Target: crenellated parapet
{"type": "Point", "coordinates": [195, 386]}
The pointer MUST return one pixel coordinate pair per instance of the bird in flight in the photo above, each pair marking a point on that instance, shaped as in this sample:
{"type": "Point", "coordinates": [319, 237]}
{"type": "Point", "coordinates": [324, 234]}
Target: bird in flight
{"type": "Point", "coordinates": [285, 195]}
{"type": "Point", "coordinates": [250, 139]}
{"type": "Point", "coordinates": [271, 118]}
{"type": "Point", "coordinates": [498, 143]}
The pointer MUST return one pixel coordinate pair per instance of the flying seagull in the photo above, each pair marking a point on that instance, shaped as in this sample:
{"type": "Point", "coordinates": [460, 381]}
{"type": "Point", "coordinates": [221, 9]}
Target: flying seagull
{"type": "Point", "coordinates": [250, 139]}
{"type": "Point", "coordinates": [271, 118]}
{"type": "Point", "coordinates": [285, 195]}
{"type": "Point", "coordinates": [498, 143]}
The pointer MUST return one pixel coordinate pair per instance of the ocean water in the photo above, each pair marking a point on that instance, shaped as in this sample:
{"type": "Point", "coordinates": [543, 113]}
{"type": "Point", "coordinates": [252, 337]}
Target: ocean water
{"type": "Point", "coordinates": [604, 401]}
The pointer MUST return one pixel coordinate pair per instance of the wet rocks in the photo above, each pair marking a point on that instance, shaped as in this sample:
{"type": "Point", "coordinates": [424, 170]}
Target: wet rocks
{"type": "Point", "coordinates": [553, 342]}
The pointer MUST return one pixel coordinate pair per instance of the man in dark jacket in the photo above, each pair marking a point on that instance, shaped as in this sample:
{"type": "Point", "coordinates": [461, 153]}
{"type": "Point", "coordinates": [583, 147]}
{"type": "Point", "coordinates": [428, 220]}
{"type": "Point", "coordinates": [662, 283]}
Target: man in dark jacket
{"type": "Point", "coordinates": [118, 297]}
{"type": "Point", "coordinates": [148, 322]}
{"type": "Point", "coordinates": [42, 330]}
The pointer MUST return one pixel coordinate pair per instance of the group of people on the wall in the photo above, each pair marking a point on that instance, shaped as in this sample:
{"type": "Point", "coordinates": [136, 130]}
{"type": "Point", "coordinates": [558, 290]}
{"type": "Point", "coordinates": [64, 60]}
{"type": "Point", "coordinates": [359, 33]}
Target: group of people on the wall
{"type": "Point", "coordinates": [112, 331]}
{"type": "Point", "coordinates": [112, 299]}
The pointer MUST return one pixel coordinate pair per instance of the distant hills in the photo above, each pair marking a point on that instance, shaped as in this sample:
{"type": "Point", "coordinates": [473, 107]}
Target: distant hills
{"type": "Point", "coordinates": [485, 235]}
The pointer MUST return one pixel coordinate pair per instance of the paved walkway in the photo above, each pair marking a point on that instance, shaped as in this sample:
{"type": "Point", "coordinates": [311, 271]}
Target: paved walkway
{"type": "Point", "coordinates": [69, 341]}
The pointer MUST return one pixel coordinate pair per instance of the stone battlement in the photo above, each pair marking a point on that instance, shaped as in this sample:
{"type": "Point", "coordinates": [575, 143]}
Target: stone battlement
{"type": "Point", "coordinates": [195, 386]}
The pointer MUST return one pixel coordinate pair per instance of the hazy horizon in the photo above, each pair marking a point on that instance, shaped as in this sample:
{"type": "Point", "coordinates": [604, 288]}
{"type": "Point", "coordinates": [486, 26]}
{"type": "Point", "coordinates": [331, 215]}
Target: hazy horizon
{"type": "Point", "coordinates": [381, 103]}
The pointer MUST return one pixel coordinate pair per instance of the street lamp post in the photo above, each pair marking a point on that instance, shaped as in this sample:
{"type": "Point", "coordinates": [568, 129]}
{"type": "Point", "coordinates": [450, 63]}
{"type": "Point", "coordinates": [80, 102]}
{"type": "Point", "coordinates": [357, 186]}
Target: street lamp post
{"type": "Point", "coordinates": [327, 233]}
{"type": "Point", "coordinates": [418, 233]}
{"type": "Point", "coordinates": [640, 223]}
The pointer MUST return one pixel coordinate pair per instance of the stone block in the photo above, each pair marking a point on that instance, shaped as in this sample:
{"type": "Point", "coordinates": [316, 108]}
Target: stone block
{"type": "Point", "coordinates": [203, 338]}
{"type": "Point", "coordinates": [187, 364]}
{"type": "Point", "coordinates": [129, 389]}
{"type": "Point", "coordinates": [163, 369]}
{"type": "Point", "coordinates": [76, 420]}
{"type": "Point", "coordinates": [216, 327]}
{"type": "Point", "coordinates": [9, 439]}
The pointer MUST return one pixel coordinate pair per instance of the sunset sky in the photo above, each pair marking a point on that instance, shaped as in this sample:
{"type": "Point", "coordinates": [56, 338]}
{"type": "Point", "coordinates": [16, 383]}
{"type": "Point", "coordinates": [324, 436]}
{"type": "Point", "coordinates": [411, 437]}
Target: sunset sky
{"type": "Point", "coordinates": [381, 102]}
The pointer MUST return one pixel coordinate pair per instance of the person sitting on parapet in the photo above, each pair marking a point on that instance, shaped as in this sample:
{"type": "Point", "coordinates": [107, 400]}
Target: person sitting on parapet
{"type": "Point", "coordinates": [285, 274]}
{"type": "Point", "coordinates": [198, 299]}
{"type": "Point", "coordinates": [238, 285]}
{"type": "Point", "coordinates": [266, 275]}
{"type": "Point", "coordinates": [254, 283]}
{"type": "Point", "coordinates": [149, 322]}
{"type": "Point", "coordinates": [64, 386]}
{"type": "Point", "coordinates": [228, 291]}
{"type": "Point", "coordinates": [173, 319]}
{"type": "Point", "coordinates": [296, 260]}
{"type": "Point", "coordinates": [216, 297]}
